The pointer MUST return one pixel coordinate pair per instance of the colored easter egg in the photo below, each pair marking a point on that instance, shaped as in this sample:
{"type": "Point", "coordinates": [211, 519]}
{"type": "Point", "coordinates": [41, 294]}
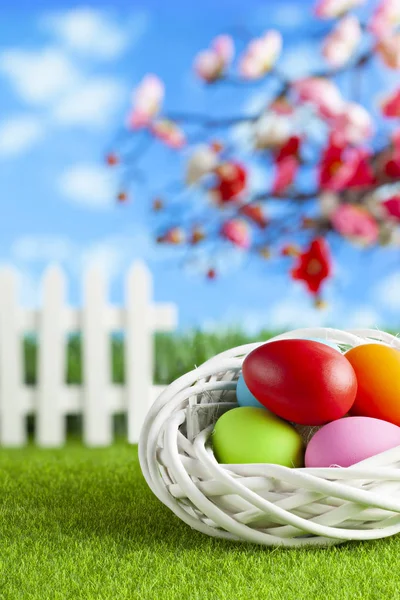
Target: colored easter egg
{"type": "Point", "coordinates": [248, 434]}
{"type": "Point", "coordinates": [377, 368]}
{"type": "Point", "coordinates": [350, 440]}
{"type": "Point", "coordinates": [244, 396]}
{"type": "Point", "coordinates": [302, 381]}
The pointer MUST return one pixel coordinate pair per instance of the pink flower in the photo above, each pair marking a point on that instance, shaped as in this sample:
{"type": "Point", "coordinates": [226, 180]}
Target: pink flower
{"type": "Point", "coordinates": [322, 93]}
{"type": "Point", "coordinates": [147, 100]}
{"type": "Point", "coordinates": [391, 104]}
{"type": "Point", "coordinates": [261, 55]}
{"type": "Point", "coordinates": [286, 171]}
{"type": "Point", "coordinates": [169, 133]}
{"type": "Point", "coordinates": [340, 45]}
{"type": "Point", "coordinates": [389, 50]}
{"type": "Point", "coordinates": [392, 206]}
{"type": "Point", "coordinates": [237, 231]}
{"type": "Point", "coordinates": [356, 223]}
{"type": "Point", "coordinates": [354, 124]}
{"type": "Point", "coordinates": [211, 64]}
{"type": "Point", "coordinates": [385, 18]}
{"type": "Point", "coordinates": [330, 9]}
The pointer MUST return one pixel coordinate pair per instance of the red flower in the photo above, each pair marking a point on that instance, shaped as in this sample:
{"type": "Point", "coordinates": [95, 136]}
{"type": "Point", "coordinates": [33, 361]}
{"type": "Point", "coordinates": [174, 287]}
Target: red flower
{"type": "Point", "coordinates": [343, 168]}
{"type": "Point", "coordinates": [231, 181]}
{"type": "Point", "coordinates": [285, 173]}
{"type": "Point", "coordinates": [290, 148]}
{"type": "Point", "coordinates": [392, 167]}
{"type": "Point", "coordinates": [255, 213]}
{"type": "Point", "coordinates": [392, 205]}
{"type": "Point", "coordinates": [314, 265]}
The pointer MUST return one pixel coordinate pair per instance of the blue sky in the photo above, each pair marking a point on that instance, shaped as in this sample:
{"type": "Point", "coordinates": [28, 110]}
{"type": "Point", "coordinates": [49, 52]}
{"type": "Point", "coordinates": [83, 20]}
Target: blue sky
{"type": "Point", "coordinates": [66, 75]}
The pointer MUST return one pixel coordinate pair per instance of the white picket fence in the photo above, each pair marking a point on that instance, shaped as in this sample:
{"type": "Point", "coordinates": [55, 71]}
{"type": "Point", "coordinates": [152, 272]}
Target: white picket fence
{"type": "Point", "coordinates": [97, 399]}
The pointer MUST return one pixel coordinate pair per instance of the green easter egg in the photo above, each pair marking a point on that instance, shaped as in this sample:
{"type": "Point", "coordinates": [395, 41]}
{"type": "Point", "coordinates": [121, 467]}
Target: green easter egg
{"type": "Point", "coordinates": [253, 435]}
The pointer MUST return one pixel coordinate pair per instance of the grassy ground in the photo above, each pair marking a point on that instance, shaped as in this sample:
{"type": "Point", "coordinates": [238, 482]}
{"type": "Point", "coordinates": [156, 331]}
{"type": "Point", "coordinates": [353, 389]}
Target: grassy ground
{"type": "Point", "coordinates": [81, 523]}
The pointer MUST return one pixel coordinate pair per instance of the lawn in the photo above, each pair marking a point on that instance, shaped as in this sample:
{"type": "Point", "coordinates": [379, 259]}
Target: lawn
{"type": "Point", "coordinates": [81, 523]}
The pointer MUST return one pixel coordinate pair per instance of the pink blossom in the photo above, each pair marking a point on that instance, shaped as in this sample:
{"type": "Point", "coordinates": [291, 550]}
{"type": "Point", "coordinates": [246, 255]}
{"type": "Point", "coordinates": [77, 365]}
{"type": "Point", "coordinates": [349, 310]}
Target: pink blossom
{"type": "Point", "coordinates": [169, 132]}
{"type": "Point", "coordinates": [330, 9]}
{"type": "Point", "coordinates": [224, 47]}
{"type": "Point", "coordinates": [385, 18]}
{"type": "Point", "coordinates": [285, 174]}
{"type": "Point", "coordinates": [354, 124]}
{"type": "Point", "coordinates": [261, 55]}
{"type": "Point", "coordinates": [339, 46]}
{"type": "Point", "coordinates": [147, 101]}
{"type": "Point", "coordinates": [355, 222]}
{"type": "Point", "coordinates": [390, 105]}
{"type": "Point", "coordinates": [237, 231]}
{"type": "Point", "coordinates": [211, 64]}
{"type": "Point", "coordinates": [389, 50]}
{"type": "Point", "coordinates": [322, 93]}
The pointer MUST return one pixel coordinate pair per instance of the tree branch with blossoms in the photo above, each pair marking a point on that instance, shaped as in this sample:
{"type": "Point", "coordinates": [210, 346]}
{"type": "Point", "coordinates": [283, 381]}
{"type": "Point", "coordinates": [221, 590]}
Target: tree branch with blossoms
{"type": "Point", "coordinates": [344, 184]}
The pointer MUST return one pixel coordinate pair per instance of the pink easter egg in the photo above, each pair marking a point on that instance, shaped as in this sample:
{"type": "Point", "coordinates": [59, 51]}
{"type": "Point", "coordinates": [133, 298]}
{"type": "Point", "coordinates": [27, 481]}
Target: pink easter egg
{"type": "Point", "coordinates": [350, 440]}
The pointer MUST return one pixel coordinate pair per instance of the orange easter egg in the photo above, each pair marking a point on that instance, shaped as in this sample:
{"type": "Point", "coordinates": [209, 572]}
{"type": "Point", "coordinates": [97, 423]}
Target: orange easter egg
{"type": "Point", "coordinates": [377, 369]}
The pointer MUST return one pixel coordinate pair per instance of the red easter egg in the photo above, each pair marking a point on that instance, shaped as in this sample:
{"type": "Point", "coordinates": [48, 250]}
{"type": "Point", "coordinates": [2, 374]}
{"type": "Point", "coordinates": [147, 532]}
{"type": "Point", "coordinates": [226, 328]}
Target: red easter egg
{"type": "Point", "coordinates": [302, 381]}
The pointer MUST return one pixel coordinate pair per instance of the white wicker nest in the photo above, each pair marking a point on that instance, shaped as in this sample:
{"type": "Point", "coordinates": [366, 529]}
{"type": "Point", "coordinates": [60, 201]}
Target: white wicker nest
{"type": "Point", "coordinates": [261, 503]}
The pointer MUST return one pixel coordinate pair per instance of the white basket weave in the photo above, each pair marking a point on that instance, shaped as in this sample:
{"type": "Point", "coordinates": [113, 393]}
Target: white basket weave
{"type": "Point", "coordinates": [261, 503]}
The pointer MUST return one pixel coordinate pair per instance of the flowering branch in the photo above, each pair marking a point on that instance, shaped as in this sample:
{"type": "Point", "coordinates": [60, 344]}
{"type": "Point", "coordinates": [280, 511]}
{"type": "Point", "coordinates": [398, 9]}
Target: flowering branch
{"type": "Point", "coordinates": [352, 190]}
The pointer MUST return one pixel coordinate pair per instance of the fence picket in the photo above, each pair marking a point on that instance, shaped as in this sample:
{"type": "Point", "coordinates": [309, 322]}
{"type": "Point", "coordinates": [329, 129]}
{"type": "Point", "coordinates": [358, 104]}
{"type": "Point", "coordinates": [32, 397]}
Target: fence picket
{"type": "Point", "coordinates": [97, 399]}
{"type": "Point", "coordinates": [97, 421]}
{"type": "Point", "coordinates": [50, 419]}
{"type": "Point", "coordinates": [138, 347]}
{"type": "Point", "coordinates": [12, 418]}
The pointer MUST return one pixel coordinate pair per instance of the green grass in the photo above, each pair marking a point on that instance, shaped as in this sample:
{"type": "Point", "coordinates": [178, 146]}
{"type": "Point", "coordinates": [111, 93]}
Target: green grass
{"type": "Point", "coordinates": [175, 354]}
{"type": "Point", "coordinates": [81, 523]}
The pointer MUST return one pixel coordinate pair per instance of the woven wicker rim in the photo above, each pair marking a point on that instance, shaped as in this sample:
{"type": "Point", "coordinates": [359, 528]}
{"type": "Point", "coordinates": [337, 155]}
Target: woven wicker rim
{"type": "Point", "coordinates": [262, 503]}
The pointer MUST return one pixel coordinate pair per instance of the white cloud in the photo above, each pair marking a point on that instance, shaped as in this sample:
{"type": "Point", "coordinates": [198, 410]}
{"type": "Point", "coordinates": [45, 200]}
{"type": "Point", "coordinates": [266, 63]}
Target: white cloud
{"type": "Point", "coordinates": [18, 134]}
{"type": "Point", "coordinates": [39, 77]}
{"type": "Point", "coordinates": [387, 292]}
{"type": "Point", "coordinates": [88, 31]}
{"type": "Point", "coordinates": [112, 254]}
{"type": "Point", "coordinates": [46, 248]}
{"type": "Point", "coordinates": [294, 314]}
{"type": "Point", "coordinates": [88, 185]}
{"type": "Point", "coordinates": [363, 317]}
{"type": "Point", "coordinates": [92, 104]}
